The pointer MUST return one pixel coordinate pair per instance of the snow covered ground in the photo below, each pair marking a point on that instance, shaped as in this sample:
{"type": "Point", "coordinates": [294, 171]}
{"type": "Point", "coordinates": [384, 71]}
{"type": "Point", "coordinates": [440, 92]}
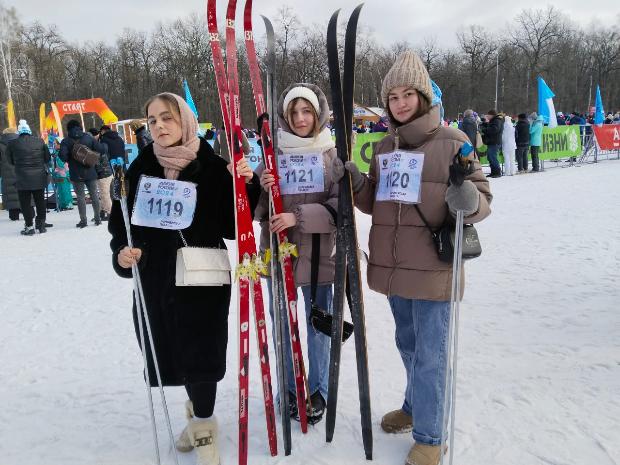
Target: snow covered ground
{"type": "Point", "coordinates": [539, 366]}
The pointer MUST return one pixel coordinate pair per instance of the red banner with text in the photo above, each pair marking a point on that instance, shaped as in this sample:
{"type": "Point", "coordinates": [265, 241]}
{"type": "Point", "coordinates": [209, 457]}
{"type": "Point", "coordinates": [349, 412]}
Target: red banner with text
{"type": "Point", "coordinates": [608, 136]}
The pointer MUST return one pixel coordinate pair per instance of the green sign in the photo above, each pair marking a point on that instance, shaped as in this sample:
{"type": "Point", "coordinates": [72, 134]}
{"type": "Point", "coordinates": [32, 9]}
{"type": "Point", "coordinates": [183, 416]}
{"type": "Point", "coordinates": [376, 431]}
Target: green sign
{"type": "Point", "coordinates": [362, 150]}
{"type": "Point", "coordinates": [560, 142]}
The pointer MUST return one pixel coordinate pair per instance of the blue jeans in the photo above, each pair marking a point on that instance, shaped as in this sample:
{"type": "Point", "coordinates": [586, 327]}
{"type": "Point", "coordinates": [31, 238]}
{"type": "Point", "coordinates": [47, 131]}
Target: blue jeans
{"type": "Point", "coordinates": [492, 151]}
{"type": "Point", "coordinates": [422, 340]}
{"type": "Point", "coordinates": [318, 343]}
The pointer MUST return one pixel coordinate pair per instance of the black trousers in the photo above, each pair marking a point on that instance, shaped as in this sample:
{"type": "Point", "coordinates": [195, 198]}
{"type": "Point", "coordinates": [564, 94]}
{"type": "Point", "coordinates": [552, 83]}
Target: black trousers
{"type": "Point", "coordinates": [202, 396]}
{"type": "Point", "coordinates": [534, 149]}
{"type": "Point", "coordinates": [39, 203]}
{"type": "Point", "coordinates": [522, 151]}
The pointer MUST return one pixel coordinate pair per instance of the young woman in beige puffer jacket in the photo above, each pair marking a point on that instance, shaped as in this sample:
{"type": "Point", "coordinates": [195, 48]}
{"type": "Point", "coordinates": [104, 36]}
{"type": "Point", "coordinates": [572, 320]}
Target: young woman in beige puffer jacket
{"type": "Point", "coordinates": [303, 114]}
{"type": "Point", "coordinates": [403, 262]}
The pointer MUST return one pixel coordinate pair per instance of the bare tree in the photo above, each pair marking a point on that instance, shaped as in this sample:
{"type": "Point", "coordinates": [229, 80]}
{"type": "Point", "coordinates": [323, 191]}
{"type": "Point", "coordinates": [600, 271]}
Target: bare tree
{"type": "Point", "coordinates": [9, 28]}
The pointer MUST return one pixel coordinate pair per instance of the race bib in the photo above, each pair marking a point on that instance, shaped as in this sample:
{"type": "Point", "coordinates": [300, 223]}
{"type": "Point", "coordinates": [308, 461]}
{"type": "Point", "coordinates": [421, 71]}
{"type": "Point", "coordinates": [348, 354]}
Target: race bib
{"type": "Point", "coordinates": [164, 204]}
{"type": "Point", "coordinates": [301, 173]}
{"type": "Point", "coordinates": [400, 176]}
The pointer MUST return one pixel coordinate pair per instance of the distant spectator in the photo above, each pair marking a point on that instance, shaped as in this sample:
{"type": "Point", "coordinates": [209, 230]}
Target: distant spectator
{"type": "Point", "coordinates": [30, 157]}
{"type": "Point", "coordinates": [509, 146]}
{"type": "Point", "coordinates": [143, 136]}
{"type": "Point", "coordinates": [104, 173]}
{"type": "Point", "coordinates": [10, 198]}
{"type": "Point", "coordinates": [492, 137]}
{"type": "Point", "coordinates": [380, 126]}
{"type": "Point", "coordinates": [82, 176]}
{"type": "Point", "coordinates": [561, 119]}
{"type": "Point", "coordinates": [536, 128]}
{"type": "Point", "coordinates": [522, 136]}
{"type": "Point", "coordinates": [220, 147]}
{"type": "Point", "coordinates": [60, 178]}
{"type": "Point", "coordinates": [470, 126]}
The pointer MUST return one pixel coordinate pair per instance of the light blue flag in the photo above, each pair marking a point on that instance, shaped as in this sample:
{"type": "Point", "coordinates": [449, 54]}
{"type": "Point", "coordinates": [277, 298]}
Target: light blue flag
{"type": "Point", "coordinates": [437, 99]}
{"type": "Point", "coordinates": [189, 99]}
{"type": "Point", "coordinates": [599, 112]}
{"type": "Point", "coordinates": [546, 109]}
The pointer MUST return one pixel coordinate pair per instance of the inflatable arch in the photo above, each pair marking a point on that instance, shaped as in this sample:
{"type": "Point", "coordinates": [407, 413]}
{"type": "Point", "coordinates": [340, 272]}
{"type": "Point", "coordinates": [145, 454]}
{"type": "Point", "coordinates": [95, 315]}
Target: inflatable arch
{"type": "Point", "coordinates": [78, 107]}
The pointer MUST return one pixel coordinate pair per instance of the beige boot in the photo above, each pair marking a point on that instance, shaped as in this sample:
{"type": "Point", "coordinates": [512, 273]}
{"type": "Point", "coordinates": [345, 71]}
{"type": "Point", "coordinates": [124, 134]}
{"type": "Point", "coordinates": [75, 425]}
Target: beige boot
{"type": "Point", "coordinates": [397, 422]}
{"type": "Point", "coordinates": [422, 454]}
{"type": "Point", "coordinates": [183, 444]}
{"type": "Point", "coordinates": [203, 435]}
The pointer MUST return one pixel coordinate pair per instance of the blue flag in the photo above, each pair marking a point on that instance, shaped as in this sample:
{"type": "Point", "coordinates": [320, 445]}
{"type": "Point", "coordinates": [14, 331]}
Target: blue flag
{"type": "Point", "coordinates": [599, 112]}
{"type": "Point", "coordinates": [546, 109]}
{"type": "Point", "coordinates": [437, 99]}
{"type": "Point", "coordinates": [189, 99]}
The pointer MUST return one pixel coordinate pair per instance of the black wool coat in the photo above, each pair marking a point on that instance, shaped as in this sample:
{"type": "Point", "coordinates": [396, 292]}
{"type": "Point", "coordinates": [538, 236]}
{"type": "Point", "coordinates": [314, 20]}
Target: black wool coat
{"type": "Point", "coordinates": [116, 145]}
{"type": "Point", "coordinates": [470, 127]}
{"type": "Point", "coordinates": [30, 157]}
{"type": "Point", "coordinates": [189, 324]}
{"type": "Point", "coordinates": [10, 199]}
{"type": "Point", "coordinates": [522, 133]}
{"type": "Point", "coordinates": [492, 131]}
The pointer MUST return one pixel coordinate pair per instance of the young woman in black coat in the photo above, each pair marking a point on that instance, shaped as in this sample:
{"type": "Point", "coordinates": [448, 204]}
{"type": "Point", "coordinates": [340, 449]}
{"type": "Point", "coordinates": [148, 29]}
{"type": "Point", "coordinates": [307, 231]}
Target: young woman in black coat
{"type": "Point", "coordinates": [189, 324]}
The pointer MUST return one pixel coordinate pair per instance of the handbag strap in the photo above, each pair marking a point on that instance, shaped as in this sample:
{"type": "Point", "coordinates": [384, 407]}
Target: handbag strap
{"type": "Point", "coordinates": [428, 226]}
{"type": "Point", "coordinates": [183, 239]}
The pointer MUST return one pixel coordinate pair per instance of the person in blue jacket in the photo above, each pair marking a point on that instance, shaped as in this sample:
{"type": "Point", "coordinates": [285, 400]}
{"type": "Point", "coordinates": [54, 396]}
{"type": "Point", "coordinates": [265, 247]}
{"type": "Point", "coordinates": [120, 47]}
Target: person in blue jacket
{"type": "Point", "coordinates": [536, 127]}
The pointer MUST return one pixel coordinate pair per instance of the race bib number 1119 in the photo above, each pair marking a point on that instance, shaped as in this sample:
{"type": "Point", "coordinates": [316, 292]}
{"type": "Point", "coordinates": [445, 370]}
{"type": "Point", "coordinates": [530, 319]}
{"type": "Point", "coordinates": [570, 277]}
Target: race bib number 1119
{"type": "Point", "coordinates": [400, 176]}
{"type": "Point", "coordinates": [164, 204]}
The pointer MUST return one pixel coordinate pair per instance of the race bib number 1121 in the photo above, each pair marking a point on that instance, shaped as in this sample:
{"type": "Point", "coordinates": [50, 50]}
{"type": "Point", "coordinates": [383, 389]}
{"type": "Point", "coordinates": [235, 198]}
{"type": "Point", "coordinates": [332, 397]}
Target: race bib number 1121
{"type": "Point", "coordinates": [400, 176]}
{"type": "Point", "coordinates": [164, 204]}
{"type": "Point", "coordinates": [301, 173]}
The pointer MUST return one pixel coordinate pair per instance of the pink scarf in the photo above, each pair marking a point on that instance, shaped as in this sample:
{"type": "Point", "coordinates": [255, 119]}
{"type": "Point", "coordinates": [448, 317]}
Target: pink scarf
{"type": "Point", "coordinates": [175, 159]}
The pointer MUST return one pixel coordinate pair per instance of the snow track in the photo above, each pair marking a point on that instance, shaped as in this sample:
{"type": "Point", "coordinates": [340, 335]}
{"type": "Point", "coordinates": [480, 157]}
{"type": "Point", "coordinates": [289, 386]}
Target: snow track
{"type": "Point", "coordinates": [539, 367]}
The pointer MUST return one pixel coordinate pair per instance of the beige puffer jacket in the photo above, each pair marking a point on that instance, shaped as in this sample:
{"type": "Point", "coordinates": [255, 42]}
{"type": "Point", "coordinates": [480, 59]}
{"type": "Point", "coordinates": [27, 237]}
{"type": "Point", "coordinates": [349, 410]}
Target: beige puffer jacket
{"type": "Point", "coordinates": [403, 259]}
{"type": "Point", "coordinates": [312, 217]}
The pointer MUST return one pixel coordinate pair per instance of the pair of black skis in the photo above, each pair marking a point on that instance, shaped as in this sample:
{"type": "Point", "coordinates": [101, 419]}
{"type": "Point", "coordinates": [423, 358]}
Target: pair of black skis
{"type": "Point", "coordinates": [347, 253]}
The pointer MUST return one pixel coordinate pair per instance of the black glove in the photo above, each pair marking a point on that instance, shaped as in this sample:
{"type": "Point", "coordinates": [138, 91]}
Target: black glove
{"type": "Point", "coordinates": [458, 172]}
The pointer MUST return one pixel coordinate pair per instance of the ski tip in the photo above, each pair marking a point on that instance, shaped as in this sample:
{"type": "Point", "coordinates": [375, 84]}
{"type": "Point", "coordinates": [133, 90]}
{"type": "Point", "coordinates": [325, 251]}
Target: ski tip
{"type": "Point", "coordinates": [268, 24]}
{"type": "Point", "coordinates": [333, 20]}
{"type": "Point", "coordinates": [355, 16]}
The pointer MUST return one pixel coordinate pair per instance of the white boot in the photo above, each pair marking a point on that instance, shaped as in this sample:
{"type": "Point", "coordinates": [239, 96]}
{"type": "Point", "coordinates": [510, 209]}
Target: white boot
{"type": "Point", "coordinates": [183, 444]}
{"type": "Point", "coordinates": [203, 435]}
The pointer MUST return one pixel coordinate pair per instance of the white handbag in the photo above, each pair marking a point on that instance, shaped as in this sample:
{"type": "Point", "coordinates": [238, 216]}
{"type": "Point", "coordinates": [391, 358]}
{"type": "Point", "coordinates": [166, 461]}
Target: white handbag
{"type": "Point", "coordinates": [201, 266]}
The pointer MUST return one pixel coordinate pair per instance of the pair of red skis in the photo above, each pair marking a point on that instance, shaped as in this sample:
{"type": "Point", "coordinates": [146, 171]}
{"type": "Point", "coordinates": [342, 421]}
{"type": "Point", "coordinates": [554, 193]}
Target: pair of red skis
{"type": "Point", "coordinates": [250, 265]}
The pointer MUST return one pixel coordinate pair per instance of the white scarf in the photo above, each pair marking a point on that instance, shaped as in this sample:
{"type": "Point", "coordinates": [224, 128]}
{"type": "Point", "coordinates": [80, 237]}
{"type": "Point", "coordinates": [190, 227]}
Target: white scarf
{"type": "Point", "coordinates": [290, 143]}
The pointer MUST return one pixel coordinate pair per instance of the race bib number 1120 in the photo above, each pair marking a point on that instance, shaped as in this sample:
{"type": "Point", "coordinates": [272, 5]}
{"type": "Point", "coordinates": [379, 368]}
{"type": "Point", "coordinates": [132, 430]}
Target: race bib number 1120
{"type": "Point", "coordinates": [164, 204]}
{"type": "Point", "coordinates": [400, 176]}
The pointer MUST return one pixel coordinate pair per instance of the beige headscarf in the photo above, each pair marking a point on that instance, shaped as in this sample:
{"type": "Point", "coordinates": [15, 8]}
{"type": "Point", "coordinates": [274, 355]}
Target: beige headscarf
{"type": "Point", "coordinates": [175, 159]}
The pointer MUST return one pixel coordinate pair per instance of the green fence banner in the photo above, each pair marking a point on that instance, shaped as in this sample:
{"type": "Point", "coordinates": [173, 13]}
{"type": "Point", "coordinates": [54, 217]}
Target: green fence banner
{"type": "Point", "coordinates": [362, 150]}
{"type": "Point", "coordinates": [560, 142]}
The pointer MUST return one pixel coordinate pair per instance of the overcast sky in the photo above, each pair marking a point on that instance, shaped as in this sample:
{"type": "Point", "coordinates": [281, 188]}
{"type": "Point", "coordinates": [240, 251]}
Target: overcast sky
{"type": "Point", "coordinates": [390, 20]}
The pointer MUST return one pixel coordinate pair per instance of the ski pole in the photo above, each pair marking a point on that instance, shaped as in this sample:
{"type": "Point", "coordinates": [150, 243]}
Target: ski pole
{"type": "Point", "coordinates": [118, 192]}
{"type": "Point", "coordinates": [453, 339]}
{"type": "Point", "coordinates": [143, 312]}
